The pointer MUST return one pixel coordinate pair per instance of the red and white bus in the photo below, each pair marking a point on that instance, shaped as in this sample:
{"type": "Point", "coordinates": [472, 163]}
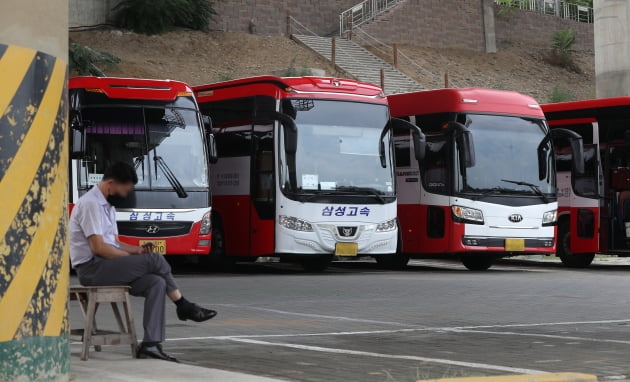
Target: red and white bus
{"type": "Point", "coordinates": [486, 187]}
{"type": "Point", "coordinates": [594, 207]}
{"type": "Point", "coordinates": [305, 169]}
{"type": "Point", "coordinates": [156, 127]}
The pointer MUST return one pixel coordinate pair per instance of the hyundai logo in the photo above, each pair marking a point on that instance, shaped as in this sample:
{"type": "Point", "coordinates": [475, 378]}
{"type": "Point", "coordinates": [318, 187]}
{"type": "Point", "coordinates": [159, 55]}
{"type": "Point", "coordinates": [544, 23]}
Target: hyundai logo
{"type": "Point", "coordinates": [516, 218]}
{"type": "Point", "coordinates": [152, 229]}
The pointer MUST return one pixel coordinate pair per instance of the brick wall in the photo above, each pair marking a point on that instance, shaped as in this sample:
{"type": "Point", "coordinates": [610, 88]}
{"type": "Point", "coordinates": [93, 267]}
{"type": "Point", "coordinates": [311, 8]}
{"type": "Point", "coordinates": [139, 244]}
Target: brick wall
{"type": "Point", "coordinates": [536, 29]}
{"type": "Point", "coordinates": [432, 23]}
{"type": "Point", "coordinates": [320, 16]}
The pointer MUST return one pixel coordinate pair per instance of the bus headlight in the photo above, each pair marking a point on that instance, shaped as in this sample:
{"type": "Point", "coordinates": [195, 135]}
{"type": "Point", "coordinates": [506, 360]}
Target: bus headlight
{"type": "Point", "coordinates": [206, 224]}
{"type": "Point", "coordinates": [467, 215]}
{"type": "Point", "coordinates": [295, 224]}
{"type": "Point", "coordinates": [388, 226]}
{"type": "Point", "coordinates": [550, 218]}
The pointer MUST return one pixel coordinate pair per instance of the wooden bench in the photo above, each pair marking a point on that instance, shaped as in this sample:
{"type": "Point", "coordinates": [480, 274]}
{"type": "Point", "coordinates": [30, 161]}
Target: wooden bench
{"type": "Point", "coordinates": [89, 299]}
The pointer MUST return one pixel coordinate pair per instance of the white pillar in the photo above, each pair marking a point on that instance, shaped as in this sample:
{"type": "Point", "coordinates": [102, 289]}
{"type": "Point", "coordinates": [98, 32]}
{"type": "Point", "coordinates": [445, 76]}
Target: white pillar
{"type": "Point", "coordinates": [612, 48]}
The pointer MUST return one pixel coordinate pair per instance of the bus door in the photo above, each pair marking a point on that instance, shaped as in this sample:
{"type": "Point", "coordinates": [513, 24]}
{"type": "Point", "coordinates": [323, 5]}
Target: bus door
{"type": "Point", "coordinates": [263, 200]}
{"type": "Point", "coordinates": [615, 235]}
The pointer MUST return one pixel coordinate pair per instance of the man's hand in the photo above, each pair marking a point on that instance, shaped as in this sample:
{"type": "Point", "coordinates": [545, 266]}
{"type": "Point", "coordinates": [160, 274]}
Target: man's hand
{"type": "Point", "coordinates": [147, 248]}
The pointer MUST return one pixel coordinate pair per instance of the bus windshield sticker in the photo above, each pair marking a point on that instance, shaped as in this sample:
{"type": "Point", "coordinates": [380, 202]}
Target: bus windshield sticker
{"type": "Point", "coordinates": [94, 179]}
{"type": "Point", "coordinates": [328, 185]}
{"type": "Point", "coordinates": [310, 181]}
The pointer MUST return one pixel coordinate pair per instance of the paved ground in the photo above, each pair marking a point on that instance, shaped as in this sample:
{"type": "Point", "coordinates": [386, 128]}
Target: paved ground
{"type": "Point", "coordinates": [434, 319]}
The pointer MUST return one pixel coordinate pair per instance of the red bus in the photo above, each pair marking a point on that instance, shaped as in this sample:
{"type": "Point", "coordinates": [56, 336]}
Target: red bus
{"type": "Point", "coordinates": [156, 127]}
{"type": "Point", "coordinates": [594, 207]}
{"type": "Point", "coordinates": [305, 169]}
{"type": "Point", "coordinates": [486, 187]}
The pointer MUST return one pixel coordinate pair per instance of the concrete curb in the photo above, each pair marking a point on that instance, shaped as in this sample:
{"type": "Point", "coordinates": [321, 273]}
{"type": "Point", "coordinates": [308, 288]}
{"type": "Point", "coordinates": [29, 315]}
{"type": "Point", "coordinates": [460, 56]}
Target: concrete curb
{"type": "Point", "coordinates": [547, 377]}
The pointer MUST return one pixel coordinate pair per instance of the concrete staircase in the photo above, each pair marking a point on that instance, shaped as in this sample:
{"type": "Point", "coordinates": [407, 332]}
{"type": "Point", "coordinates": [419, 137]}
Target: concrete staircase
{"type": "Point", "coordinates": [359, 63]}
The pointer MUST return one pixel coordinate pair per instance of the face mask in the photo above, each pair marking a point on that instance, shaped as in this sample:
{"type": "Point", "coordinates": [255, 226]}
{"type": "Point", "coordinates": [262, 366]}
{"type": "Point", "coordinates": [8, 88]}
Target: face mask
{"type": "Point", "coordinates": [115, 200]}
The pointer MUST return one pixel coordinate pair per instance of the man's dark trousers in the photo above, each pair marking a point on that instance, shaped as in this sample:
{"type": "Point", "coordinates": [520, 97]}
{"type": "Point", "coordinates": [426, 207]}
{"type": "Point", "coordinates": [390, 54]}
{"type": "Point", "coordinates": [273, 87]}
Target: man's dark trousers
{"type": "Point", "coordinates": [148, 275]}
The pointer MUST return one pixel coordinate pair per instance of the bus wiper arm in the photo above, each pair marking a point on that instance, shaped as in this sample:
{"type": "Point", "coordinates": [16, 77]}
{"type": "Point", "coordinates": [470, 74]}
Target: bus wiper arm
{"type": "Point", "coordinates": [170, 176]}
{"type": "Point", "coordinates": [359, 190]}
{"type": "Point", "coordinates": [534, 188]}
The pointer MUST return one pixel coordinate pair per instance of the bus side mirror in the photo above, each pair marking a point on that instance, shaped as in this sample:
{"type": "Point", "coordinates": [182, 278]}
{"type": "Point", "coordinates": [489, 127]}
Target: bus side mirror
{"type": "Point", "coordinates": [77, 133]}
{"type": "Point", "coordinates": [465, 144]}
{"type": "Point", "coordinates": [419, 139]}
{"type": "Point", "coordinates": [288, 125]}
{"type": "Point", "coordinates": [577, 146]}
{"type": "Point", "coordinates": [213, 152]}
{"type": "Point", "coordinates": [207, 123]}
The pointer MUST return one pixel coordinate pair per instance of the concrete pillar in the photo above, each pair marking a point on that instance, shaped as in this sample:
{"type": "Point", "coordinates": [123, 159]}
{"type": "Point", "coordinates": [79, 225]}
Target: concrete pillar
{"type": "Point", "coordinates": [612, 48]}
{"type": "Point", "coordinates": [34, 265]}
{"type": "Point", "coordinates": [488, 26]}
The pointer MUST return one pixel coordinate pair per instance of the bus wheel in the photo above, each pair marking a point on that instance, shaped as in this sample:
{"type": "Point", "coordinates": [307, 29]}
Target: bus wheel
{"type": "Point", "coordinates": [395, 261]}
{"type": "Point", "coordinates": [217, 258]}
{"type": "Point", "coordinates": [477, 262]}
{"type": "Point", "coordinates": [316, 264]}
{"type": "Point", "coordinates": [569, 259]}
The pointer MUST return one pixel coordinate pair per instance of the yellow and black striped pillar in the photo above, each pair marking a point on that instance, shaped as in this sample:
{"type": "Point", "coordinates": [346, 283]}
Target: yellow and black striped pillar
{"type": "Point", "coordinates": [33, 191]}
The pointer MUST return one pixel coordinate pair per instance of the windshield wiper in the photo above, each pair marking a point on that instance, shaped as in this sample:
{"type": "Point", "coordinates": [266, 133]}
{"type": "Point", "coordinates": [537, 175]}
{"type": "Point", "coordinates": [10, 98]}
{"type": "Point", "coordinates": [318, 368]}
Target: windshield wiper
{"type": "Point", "coordinates": [170, 176]}
{"type": "Point", "coordinates": [369, 191]}
{"type": "Point", "coordinates": [535, 188]}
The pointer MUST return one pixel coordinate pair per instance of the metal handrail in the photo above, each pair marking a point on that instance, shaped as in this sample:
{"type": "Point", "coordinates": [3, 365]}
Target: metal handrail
{"type": "Point", "coordinates": [386, 50]}
{"type": "Point", "coordinates": [301, 27]}
{"type": "Point", "coordinates": [559, 8]}
{"type": "Point", "coordinates": [363, 12]}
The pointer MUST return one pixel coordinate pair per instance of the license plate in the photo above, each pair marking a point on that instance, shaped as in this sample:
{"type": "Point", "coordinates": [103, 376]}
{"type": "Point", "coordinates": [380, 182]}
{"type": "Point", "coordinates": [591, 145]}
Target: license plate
{"type": "Point", "coordinates": [346, 249]}
{"type": "Point", "coordinates": [159, 246]}
{"type": "Point", "coordinates": [515, 245]}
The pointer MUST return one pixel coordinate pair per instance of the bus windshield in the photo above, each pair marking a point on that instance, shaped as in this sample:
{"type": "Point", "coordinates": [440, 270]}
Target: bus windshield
{"type": "Point", "coordinates": [338, 150]}
{"type": "Point", "coordinates": [164, 144]}
{"type": "Point", "coordinates": [506, 150]}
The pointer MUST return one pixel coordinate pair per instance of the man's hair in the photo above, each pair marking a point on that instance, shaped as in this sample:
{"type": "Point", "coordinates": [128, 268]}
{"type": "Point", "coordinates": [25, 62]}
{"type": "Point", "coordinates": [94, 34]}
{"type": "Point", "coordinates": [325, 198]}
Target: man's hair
{"type": "Point", "coordinates": [121, 172]}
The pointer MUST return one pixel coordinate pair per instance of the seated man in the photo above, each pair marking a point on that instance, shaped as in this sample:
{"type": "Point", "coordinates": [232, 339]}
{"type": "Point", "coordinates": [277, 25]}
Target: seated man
{"type": "Point", "coordinates": [100, 258]}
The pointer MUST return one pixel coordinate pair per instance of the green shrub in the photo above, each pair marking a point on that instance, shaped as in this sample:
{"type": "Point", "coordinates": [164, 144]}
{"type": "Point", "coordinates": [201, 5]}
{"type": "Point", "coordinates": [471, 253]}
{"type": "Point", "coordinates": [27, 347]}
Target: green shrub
{"type": "Point", "coordinates": [561, 93]}
{"type": "Point", "coordinates": [159, 16]}
{"type": "Point", "coordinates": [85, 61]}
{"type": "Point", "coordinates": [562, 51]}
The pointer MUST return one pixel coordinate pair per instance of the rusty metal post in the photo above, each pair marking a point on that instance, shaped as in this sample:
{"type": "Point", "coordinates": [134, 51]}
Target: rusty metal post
{"type": "Point", "coordinates": [446, 80]}
{"type": "Point", "coordinates": [333, 52]}
{"type": "Point", "coordinates": [383, 79]}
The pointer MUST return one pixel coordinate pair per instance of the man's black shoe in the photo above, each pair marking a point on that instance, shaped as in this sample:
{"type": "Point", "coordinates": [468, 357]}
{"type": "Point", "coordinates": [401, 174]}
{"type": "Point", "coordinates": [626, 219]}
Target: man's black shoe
{"type": "Point", "coordinates": [154, 351]}
{"type": "Point", "coordinates": [196, 313]}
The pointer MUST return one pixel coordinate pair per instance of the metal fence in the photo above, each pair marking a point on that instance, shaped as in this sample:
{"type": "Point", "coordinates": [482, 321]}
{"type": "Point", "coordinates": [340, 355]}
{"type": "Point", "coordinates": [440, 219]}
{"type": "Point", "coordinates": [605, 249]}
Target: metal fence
{"type": "Point", "coordinates": [559, 8]}
{"type": "Point", "coordinates": [362, 13]}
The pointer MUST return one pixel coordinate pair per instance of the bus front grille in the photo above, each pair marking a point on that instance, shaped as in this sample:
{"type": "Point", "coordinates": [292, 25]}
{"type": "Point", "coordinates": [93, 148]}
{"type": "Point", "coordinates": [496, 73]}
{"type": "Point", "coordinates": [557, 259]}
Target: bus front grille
{"type": "Point", "coordinates": [154, 228]}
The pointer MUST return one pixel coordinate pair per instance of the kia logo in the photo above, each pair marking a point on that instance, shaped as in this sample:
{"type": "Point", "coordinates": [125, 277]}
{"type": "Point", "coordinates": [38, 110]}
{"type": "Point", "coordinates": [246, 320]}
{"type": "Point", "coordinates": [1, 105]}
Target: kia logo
{"type": "Point", "coordinates": [516, 218]}
{"type": "Point", "coordinates": [152, 229]}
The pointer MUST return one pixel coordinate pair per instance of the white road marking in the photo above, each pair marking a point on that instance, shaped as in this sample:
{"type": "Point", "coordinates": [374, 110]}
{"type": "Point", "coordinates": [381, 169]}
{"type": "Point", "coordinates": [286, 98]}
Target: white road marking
{"type": "Point", "coordinates": [313, 315]}
{"type": "Point", "coordinates": [542, 336]}
{"type": "Point", "coordinates": [473, 365]}
{"type": "Point", "coordinates": [431, 329]}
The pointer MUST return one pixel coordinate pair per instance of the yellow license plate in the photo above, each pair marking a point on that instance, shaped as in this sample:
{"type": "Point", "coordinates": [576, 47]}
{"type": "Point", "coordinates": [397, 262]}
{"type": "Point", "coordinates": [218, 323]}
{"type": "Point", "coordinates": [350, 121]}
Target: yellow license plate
{"type": "Point", "coordinates": [159, 246]}
{"type": "Point", "coordinates": [515, 245]}
{"type": "Point", "coordinates": [346, 249]}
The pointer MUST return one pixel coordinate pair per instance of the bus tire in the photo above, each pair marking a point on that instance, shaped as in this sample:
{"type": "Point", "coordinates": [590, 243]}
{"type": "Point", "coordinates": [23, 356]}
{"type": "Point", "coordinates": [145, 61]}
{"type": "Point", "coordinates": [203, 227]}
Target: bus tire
{"type": "Point", "coordinates": [568, 258]}
{"type": "Point", "coordinates": [217, 258]}
{"type": "Point", "coordinates": [395, 261]}
{"type": "Point", "coordinates": [316, 264]}
{"type": "Point", "coordinates": [477, 262]}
